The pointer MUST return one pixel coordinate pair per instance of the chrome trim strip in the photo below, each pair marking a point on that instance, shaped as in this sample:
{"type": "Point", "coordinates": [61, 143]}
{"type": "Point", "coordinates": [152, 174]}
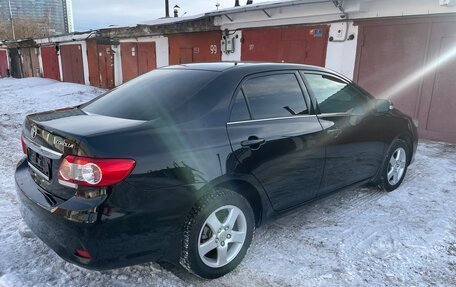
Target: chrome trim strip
{"type": "Point", "coordinates": [37, 171]}
{"type": "Point", "coordinates": [68, 184]}
{"type": "Point", "coordinates": [270, 119]}
{"type": "Point", "coordinates": [334, 114]}
{"type": "Point", "coordinates": [45, 149]}
{"type": "Point", "coordinates": [42, 150]}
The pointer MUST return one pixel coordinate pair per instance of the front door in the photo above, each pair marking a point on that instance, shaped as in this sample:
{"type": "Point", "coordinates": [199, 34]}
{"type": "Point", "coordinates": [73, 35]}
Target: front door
{"type": "Point", "coordinates": [273, 135]}
{"type": "Point", "coordinates": [352, 132]}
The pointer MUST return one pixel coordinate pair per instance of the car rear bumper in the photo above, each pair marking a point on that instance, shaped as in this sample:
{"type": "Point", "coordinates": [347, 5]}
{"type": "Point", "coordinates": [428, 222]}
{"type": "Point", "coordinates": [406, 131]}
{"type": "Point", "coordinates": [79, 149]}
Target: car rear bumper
{"type": "Point", "coordinates": [112, 236]}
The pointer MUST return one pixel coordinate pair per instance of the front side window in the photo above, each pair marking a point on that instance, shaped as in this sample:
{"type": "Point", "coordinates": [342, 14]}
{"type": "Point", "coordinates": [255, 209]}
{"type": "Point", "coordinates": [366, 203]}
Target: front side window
{"type": "Point", "coordinates": [336, 96]}
{"type": "Point", "coordinates": [274, 96]}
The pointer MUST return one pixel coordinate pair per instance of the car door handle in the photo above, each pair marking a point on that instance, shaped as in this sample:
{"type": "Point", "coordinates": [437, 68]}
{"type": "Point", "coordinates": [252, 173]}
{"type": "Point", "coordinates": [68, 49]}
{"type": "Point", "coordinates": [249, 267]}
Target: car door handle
{"type": "Point", "coordinates": [253, 142]}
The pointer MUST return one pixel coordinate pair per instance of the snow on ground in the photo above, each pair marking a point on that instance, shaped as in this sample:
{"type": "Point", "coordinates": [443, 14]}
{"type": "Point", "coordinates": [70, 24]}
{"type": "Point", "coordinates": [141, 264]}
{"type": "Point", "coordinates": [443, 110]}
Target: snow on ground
{"type": "Point", "coordinates": [357, 237]}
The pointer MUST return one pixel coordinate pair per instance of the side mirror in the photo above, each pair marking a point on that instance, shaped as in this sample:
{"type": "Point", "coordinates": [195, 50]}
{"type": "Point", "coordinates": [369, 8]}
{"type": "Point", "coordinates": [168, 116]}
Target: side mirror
{"type": "Point", "coordinates": [383, 106]}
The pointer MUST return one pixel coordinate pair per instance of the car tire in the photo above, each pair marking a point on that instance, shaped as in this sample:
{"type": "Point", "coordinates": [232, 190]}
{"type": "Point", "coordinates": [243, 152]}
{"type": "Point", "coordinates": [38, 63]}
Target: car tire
{"type": "Point", "coordinates": [395, 166]}
{"type": "Point", "coordinates": [217, 233]}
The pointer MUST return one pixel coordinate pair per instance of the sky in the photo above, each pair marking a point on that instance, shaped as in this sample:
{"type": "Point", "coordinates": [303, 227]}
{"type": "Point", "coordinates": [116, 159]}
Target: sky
{"type": "Point", "coordinates": [94, 14]}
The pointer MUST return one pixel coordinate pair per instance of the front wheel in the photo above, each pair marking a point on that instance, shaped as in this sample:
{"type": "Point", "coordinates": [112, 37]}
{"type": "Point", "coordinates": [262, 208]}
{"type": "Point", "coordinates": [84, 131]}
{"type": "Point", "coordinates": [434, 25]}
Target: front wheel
{"type": "Point", "coordinates": [217, 234]}
{"type": "Point", "coordinates": [395, 166]}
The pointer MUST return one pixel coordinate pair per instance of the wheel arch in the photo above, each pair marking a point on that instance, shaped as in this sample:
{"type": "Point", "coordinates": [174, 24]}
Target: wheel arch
{"type": "Point", "coordinates": [250, 192]}
{"type": "Point", "coordinates": [248, 187]}
{"type": "Point", "coordinates": [405, 136]}
{"type": "Point", "coordinates": [408, 138]}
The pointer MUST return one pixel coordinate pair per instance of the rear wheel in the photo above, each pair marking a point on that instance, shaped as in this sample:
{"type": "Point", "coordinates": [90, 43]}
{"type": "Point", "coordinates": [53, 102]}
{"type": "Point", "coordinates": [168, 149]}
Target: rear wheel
{"type": "Point", "coordinates": [395, 166]}
{"type": "Point", "coordinates": [217, 234]}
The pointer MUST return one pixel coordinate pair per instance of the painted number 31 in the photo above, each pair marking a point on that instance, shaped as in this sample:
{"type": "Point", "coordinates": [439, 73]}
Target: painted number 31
{"type": "Point", "coordinates": [213, 49]}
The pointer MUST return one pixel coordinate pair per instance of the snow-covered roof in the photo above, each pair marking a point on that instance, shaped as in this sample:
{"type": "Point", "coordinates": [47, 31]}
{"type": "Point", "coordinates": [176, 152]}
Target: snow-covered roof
{"type": "Point", "coordinates": [232, 10]}
{"type": "Point", "coordinates": [65, 38]}
{"type": "Point", "coordinates": [262, 6]}
{"type": "Point", "coordinates": [170, 20]}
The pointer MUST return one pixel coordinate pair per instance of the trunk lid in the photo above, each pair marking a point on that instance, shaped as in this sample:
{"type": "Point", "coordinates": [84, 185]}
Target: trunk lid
{"type": "Point", "coordinates": [50, 136]}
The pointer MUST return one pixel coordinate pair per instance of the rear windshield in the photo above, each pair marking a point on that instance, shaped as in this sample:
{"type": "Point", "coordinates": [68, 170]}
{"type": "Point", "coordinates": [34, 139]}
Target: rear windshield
{"type": "Point", "coordinates": [154, 95]}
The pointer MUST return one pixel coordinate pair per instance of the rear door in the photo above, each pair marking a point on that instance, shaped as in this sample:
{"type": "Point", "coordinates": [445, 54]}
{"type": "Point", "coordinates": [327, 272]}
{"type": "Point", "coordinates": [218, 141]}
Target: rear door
{"type": "Point", "coordinates": [353, 132]}
{"type": "Point", "coordinates": [273, 135]}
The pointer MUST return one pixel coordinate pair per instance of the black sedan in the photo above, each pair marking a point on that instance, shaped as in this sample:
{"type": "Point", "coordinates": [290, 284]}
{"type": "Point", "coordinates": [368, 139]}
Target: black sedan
{"type": "Point", "coordinates": [181, 164]}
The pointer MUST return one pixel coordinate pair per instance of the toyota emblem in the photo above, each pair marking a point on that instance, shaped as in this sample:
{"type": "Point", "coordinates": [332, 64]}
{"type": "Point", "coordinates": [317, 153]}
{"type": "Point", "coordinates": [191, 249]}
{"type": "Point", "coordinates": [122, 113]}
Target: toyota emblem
{"type": "Point", "coordinates": [34, 131]}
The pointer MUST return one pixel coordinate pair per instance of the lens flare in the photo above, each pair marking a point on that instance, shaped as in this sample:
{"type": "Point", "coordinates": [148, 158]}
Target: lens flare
{"type": "Point", "coordinates": [419, 74]}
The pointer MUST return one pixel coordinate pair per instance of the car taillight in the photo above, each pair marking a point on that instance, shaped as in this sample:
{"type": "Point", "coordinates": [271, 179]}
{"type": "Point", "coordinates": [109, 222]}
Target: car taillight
{"type": "Point", "coordinates": [83, 254]}
{"type": "Point", "coordinates": [86, 171]}
{"type": "Point", "coordinates": [24, 147]}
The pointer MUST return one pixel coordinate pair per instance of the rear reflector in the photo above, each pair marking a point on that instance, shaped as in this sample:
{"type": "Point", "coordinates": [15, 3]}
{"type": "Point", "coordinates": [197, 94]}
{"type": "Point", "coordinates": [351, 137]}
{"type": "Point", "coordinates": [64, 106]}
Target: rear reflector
{"type": "Point", "coordinates": [83, 254]}
{"type": "Point", "coordinates": [24, 147]}
{"type": "Point", "coordinates": [87, 171]}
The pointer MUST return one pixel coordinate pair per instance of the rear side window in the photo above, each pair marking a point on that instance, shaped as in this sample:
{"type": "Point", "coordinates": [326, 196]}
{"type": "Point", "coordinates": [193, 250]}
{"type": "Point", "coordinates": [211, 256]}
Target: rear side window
{"type": "Point", "coordinates": [274, 96]}
{"type": "Point", "coordinates": [157, 94]}
{"type": "Point", "coordinates": [240, 111]}
{"type": "Point", "coordinates": [336, 96]}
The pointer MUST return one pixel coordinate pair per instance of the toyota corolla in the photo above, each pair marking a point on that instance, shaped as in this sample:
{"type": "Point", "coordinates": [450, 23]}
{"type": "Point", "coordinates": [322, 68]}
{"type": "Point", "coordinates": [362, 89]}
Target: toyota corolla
{"type": "Point", "coordinates": [181, 164]}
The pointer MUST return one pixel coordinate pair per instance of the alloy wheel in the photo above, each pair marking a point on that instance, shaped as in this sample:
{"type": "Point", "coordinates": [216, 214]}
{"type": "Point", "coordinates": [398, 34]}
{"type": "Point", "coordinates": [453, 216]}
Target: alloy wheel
{"type": "Point", "coordinates": [396, 166]}
{"type": "Point", "coordinates": [222, 236]}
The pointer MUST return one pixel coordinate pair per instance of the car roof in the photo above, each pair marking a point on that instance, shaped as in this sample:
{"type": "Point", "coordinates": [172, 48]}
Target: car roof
{"type": "Point", "coordinates": [240, 66]}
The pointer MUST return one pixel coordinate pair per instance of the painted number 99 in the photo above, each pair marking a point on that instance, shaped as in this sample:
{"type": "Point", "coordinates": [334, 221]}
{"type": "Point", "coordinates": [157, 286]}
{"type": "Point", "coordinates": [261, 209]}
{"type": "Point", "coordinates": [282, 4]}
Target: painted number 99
{"type": "Point", "coordinates": [213, 49]}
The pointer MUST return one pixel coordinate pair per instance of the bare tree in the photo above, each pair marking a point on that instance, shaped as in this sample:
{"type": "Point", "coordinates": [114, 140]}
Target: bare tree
{"type": "Point", "coordinates": [25, 28]}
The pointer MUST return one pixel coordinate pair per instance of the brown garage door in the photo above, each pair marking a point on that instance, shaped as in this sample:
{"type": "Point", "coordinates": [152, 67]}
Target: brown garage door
{"type": "Point", "coordinates": [101, 64]}
{"type": "Point", "coordinates": [27, 68]}
{"type": "Point", "coordinates": [290, 44]}
{"type": "Point", "coordinates": [146, 57]}
{"type": "Point", "coordinates": [194, 47]}
{"type": "Point", "coordinates": [72, 67]}
{"type": "Point", "coordinates": [438, 97]}
{"type": "Point", "coordinates": [106, 66]}
{"type": "Point", "coordinates": [3, 64]}
{"type": "Point", "coordinates": [393, 60]}
{"type": "Point", "coordinates": [137, 59]}
{"type": "Point", "coordinates": [30, 64]}
{"type": "Point", "coordinates": [50, 60]}
{"type": "Point", "coordinates": [129, 53]}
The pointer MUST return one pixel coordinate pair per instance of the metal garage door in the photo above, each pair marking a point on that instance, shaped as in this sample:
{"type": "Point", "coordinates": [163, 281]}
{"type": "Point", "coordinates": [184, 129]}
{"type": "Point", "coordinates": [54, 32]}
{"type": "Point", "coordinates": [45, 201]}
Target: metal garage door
{"type": "Point", "coordinates": [72, 67]}
{"type": "Point", "coordinates": [146, 57]}
{"type": "Point", "coordinates": [3, 64]}
{"type": "Point", "coordinates": [101, 64]}
{"type": "Point", "coordinates": [106, 66]}
{"type": "Point", "coordinates": [15, 63]}
{"type": "Point", "coordinates": [438, 96]}
{"type": "Point", "coordinates": [27, 68]}
{"type": "Point", "coordinates": [291, 44]}
{"type": "Point", "coordinates": [393, 60]}
{"type": "Point", "coordinates": [50, 60]}
{"type": "Point", "coordinates": [194, 47]}
{"type": "Point", "coordinates": [30, 64]}
{"type": "Point", "coordinates": [137, 59]}
{"type": "Point", "coordinates": [129, 52]}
